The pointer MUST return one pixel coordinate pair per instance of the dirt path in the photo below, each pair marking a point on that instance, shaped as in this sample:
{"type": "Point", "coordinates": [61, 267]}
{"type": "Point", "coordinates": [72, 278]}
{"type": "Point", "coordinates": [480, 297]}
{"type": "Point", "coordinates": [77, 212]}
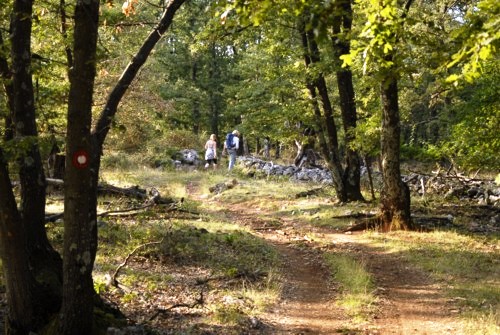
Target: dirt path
{"type": "Point", "coordinates": [307, 301]}
{"type": "Point", "coordinates": [409, 301]}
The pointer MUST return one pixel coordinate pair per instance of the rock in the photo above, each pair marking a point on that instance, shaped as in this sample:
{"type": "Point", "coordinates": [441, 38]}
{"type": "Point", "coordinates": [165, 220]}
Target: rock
{"type": "Point", "coordinates": [187, 157]}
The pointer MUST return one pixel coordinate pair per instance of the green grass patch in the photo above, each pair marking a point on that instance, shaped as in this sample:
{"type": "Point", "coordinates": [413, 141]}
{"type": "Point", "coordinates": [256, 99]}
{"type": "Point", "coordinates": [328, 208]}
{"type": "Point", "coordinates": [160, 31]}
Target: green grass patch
{"type": "Point", "coordinates": [231, 252]}
{"type": "Point", "coordinates": [357, 297]}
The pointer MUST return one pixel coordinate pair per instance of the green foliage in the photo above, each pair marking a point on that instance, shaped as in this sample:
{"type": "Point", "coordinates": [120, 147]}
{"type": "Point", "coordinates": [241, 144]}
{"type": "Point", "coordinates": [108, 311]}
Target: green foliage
{"type": "Point", "coordinates": [229, 315]}
{"type": "Point", "coordinates": [473, 141]}
{"type": "Point", "coordinates": [378, 37]}
{"type": "Point", "coordinates": [479, 36]}
{"type": "Point", "coordinates": [420, 153]}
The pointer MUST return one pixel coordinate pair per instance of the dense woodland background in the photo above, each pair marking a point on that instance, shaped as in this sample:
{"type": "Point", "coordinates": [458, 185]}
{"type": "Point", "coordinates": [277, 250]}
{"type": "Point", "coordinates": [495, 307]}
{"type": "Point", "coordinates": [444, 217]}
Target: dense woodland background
{"type": "Point", "coordinates": [356, 82]}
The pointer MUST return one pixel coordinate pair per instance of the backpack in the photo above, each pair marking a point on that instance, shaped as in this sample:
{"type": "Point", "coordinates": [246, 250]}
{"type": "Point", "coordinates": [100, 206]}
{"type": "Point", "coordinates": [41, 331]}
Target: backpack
{"type": "Point", "coordinates": [230, 141]}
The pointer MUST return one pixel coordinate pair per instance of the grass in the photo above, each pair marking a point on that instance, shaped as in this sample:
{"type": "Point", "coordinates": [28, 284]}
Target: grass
{"type": "Point", "coordinates": [210, 245]}
{"type": "Point", "coordinates": [356, 284]}
{"type": "Point", "coordinates": [468, 264]}
{"type": "Point", "coordinates": [204, 246]}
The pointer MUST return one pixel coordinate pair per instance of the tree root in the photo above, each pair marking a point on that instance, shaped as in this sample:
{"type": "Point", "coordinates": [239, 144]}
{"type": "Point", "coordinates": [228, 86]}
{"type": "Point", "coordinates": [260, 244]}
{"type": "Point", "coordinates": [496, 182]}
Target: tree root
{"type": "Point", "coordinates": [375, 222]}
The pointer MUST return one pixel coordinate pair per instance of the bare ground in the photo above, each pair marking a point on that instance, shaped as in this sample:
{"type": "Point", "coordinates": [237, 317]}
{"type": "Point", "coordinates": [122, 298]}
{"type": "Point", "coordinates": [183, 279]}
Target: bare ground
{"type": "Point", "coordinates": [409, 301]}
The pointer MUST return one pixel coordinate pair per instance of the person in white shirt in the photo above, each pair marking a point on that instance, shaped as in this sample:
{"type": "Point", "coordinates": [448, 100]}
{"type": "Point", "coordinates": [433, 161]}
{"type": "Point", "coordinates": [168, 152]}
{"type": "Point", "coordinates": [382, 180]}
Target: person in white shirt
{"type": "Point", "coordinates": [211, 152]}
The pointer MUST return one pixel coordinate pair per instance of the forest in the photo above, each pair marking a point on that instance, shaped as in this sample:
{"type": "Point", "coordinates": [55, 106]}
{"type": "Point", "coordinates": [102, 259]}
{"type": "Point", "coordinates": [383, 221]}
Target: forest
{"type": "Point", "coordinates": [107, 227]}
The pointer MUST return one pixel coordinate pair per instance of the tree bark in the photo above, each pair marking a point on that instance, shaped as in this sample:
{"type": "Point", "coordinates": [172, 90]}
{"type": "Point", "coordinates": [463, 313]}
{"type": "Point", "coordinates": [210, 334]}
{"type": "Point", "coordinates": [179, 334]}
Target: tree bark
{"type": "Point", "coordinates": [214, 90]}
{"type": "Point", "coordinates": [6, 75]}
{"type": "Point", "coordinates": [26, 246]}
{"type": "Point", "coordinates": [327, 132]}
{"type": "Point", "coordinates": [19, 281]}
{"type": "Point", "coordinates": [80, 228]}
{"type": "Point", "coordinates": [196, 101]}
{"type": "Point", "coordinates": [395, 196]}
{"type": "Point", "coordinates": [341, 45]}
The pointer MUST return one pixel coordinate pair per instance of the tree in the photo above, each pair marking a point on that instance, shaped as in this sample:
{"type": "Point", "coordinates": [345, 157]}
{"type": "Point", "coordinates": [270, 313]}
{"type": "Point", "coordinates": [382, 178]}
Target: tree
{"type": "Point", "coordinates": [341, 30]}
{"type": "Point", "coordinates": [80, 191]}
{"type": "Point", "coordinates": [327, 131]}
{"type": "Point", "coordinates": [28, 310]}
{"type": "Point", "coordinates": [381, 33]}
{"type": "Point", "coordinates": [314, 21]}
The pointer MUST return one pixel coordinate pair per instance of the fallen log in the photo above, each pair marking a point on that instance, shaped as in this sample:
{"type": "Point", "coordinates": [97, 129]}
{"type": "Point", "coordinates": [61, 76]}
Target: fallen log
{"type": "Point", "coordinates": [152, 196]}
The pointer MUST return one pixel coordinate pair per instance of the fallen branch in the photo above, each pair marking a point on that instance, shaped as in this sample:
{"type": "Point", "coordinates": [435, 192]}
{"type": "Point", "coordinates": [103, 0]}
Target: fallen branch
{"type": "Point", "coordinates": [354, 216]}
{"type": "Point", "coordinates": [221, 187]}
{"type": "Point", "coordinates": [199, 301]}
{"type": "Point", "coordinates": [128, 210]}
{"type": "Point", "coordinates": [308, 193]}
{"type": "Point", "coordinates": [54, 217]}
{"type": "Point", "coordinates": [133, 191]}
{"type": "Point", "coordinates": [114, 281]}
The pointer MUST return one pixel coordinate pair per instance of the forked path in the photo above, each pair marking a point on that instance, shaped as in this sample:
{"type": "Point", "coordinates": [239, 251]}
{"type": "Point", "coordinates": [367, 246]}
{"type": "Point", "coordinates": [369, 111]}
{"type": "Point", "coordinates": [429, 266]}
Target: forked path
{"type": "Point", "coordinates": [409, 301]}
{"type": "Point", "coordinates": [307, 301]}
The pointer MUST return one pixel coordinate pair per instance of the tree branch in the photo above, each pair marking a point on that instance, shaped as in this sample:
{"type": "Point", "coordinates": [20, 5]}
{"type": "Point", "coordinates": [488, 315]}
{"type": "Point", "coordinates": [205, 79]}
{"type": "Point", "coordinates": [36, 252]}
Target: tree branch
{"type": "Point", "coordinates": [114, 281]}
{"type": "Point", "coordinates": [104, 122]}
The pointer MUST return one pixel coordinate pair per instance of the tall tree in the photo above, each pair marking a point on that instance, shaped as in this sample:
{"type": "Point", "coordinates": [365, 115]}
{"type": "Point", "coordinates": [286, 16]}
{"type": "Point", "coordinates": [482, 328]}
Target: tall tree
{"type": "Point", "coordinates": [29, 303]}
{"type": "Point", "coordinates": [381, 33]}
{"type": "Point", "coordinates": [317, 86]}
{"type": "Point", "coordinates": [26, 252]}
{"type": "Point", "coordinates": [80, 220]}
{"type": "Point", "coordinates": [341, 31]}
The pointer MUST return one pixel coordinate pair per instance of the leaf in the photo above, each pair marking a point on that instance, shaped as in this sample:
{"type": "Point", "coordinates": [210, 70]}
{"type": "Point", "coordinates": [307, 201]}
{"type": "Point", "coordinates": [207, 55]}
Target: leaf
{"type": "Point", "coordinates": [485, 52]}
{"type": "Point", "coordinates": [347, 60]}
{"type": "Point", "coordinates": [452, 78]}
{"type": "Point", "coordinates": [387, 48]}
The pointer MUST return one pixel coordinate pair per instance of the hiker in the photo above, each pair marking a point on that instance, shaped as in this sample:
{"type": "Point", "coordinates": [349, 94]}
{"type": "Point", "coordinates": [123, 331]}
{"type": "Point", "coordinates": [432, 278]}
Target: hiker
{"type": "Point", "coordinates": [231, 145]}
{"type": "Point", "coordinates": [211, 152]}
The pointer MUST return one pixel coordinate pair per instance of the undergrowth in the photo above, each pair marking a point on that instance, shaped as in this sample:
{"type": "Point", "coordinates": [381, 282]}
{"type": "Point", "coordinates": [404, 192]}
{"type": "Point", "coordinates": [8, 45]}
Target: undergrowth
{"type": "Point", "coordinates": [201, 244]}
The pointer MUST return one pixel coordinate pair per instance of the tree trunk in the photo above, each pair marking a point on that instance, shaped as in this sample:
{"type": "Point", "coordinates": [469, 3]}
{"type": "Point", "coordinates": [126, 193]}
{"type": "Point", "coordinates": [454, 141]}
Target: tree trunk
{"type": "Point", "coordinates": [6, 76]}
{"type": "Point", "coordinates": [341, 45]}
{"type": "Point", "coordinates": [277, 153]}
{"type": "Point", "coordinates": [327, 132]}
{"type": "Point", "coordinates": [214, 90]}
{"type": "Point", "coordinates": [395, 196]}
{"type": "Point", "coordinates": [23, 241]}
{"type": "Point", "coordinates": [368, 163]}
{"type": "Point", "coordinates": [30, 241]}
{"type": "Point", "coordinates": [80, 220]}
{"type": "Point", "coordinates": [196, 102]}
{"type": "Point", "coordinates": [257, 146]}
{"type": "Point", "coordinates": [19, 281]}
